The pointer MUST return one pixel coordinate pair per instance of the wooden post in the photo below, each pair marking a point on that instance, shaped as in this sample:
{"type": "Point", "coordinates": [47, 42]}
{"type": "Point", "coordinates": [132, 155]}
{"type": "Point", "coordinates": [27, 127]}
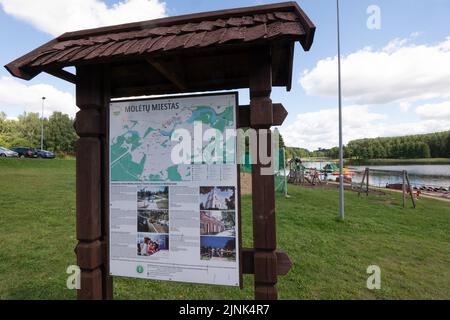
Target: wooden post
{"type": "Point", "coordinates": [90, 184]}
{"type": "Point", "coordinates": [263, 186]}
{"type": "Point", "coordinates": [107, 280]}
{"type": "Point", "coordinates": [410, 190]}
{"type": "Point", "coordinates": [368, 175]}
{"type": "Point", "coordinates": [362, 182]}
{"type": "Point", "coordinates": [403, 189]}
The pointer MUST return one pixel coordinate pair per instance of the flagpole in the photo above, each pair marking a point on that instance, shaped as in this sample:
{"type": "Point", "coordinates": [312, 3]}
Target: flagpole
{"type": "Point", "coordinates": [42, 124]}
{"type": "Point", "coordinates": [341, 148]}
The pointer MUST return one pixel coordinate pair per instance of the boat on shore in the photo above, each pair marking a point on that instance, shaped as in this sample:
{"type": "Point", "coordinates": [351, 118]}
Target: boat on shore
{"type": "Point", "coordinates": [397, 186]}
{"type": "Point", "coordinates": [333, 170]}
{"type": "Point", "coordinates": [418, 191]}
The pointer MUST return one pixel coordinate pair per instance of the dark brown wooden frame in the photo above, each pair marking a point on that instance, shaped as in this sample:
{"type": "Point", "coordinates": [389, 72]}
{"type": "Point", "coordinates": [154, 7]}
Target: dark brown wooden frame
{"type": "Point", "coordinates": [92, 125]}
{"type": "Point", "coordinates": [261, 59]}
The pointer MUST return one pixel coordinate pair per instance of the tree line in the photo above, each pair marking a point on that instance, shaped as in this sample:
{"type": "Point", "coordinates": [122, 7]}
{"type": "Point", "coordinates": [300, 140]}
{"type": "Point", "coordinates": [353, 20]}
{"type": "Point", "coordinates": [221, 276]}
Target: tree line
{"type": "Point", "coordinates": [60, 137]}
{"type": "Point", "coordinates": [423, 146]}
{"type": "Point", "coordinates": [59, 133]}
{"type": "Point", "coordinates": [433, 145]}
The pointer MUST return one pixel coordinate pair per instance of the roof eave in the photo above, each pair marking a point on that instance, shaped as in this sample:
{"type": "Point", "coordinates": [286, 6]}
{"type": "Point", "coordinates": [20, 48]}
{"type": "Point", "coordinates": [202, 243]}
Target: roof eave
{"type": "Point", "coordinates": [19, 69]}
{"type": "Point", "coordinates": [20, 73]}
{"type": "Point", "coordinates": [195, 17]}
{"type": "Point", "coordinates": [309, 26]}
{"type": "Point", "coordinates": [308, 40]}
{"type": "Point", "coordinates": [15, 67]}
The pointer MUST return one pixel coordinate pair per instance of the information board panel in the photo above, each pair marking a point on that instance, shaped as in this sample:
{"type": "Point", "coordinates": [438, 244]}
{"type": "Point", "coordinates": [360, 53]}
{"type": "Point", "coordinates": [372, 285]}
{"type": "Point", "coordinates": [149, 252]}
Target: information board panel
{"type": "Point", "coordinates": [174, 189]}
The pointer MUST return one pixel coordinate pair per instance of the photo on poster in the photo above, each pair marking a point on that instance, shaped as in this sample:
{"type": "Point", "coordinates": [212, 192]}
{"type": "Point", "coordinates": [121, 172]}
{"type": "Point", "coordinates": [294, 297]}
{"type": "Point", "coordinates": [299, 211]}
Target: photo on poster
{"type": "Point", "coordinates": [153, 221]}
{"type": "Point", "coordinates": [153, 198]}
{"type": "Point", "coordinates": [218, 223]}
{"type": "Point", "coordinates": [217, 198]}
{"type": "Point", "coordinates": [151, 244]}
{"type": "Point", "coordinates": [213, 248]}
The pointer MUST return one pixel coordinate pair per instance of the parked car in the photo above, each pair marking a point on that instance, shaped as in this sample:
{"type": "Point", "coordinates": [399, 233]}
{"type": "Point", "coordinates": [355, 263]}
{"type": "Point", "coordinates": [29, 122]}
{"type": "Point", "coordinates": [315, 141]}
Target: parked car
{"type": "Point", "coordinates": [8, 153]}
{"type": "Point", "coordinates": [44, 154]}
{"type": "Point", "coordinates": [25, 152]}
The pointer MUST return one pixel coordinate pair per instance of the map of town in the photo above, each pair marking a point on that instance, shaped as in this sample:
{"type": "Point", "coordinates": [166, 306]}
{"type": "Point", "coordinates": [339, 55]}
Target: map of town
{"type": "Point", "coordinates": [141, 142]}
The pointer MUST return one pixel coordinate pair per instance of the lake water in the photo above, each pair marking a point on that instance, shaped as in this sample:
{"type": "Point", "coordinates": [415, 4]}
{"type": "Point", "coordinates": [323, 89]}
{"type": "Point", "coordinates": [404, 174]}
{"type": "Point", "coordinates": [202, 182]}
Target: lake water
{"type": "Point", "coordinates": [420, 175]}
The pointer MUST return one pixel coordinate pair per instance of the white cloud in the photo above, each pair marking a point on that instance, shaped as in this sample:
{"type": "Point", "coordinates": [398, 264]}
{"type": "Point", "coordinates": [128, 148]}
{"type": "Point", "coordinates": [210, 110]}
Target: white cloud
{"type": "Point", "coordinates": [58, 16]}
{"type": "Point", "coordinates": [319, 129]}
{"type": "Point", "coordinates": [399, 72]}
{"type": "Point", "coordinates": [15, 94]}
{"type": "Point", "coordinates": [434, 111]}
{"type": "Point", "coordinates": [405, 106]}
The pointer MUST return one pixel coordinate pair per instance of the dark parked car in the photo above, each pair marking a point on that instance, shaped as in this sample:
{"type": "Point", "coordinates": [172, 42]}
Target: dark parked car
{"type": "Point", "coordinates": [45, 154]}
{"type": "Point", "coordinates": [25, 152]}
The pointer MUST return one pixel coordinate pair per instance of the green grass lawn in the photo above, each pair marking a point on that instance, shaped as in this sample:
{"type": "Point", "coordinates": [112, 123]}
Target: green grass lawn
{"type": "Point", "coordinates": [412, 247]}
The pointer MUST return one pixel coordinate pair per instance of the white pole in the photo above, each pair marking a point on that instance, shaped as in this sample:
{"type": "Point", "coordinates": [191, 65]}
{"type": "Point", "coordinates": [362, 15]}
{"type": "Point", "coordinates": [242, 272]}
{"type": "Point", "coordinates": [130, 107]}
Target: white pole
{"type": "Point", "coordinates": [42, 124]}
{"type": "Point", "coordinates": [284, 172]}
{"type": "Point", "coordinates": [341, 148]}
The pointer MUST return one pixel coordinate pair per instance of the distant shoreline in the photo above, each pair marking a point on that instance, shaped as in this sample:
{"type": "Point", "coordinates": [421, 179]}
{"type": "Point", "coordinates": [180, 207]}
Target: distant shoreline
{"type": "Point", "coordinates": [385, 161]}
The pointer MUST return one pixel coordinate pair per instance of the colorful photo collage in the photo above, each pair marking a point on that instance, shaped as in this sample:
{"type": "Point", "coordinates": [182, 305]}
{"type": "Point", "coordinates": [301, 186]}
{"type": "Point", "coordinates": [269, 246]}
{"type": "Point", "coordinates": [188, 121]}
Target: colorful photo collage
{"type": "Point", "coordinates": [218, 223]}
{"type": "Point", "coordinates": [152, 220]}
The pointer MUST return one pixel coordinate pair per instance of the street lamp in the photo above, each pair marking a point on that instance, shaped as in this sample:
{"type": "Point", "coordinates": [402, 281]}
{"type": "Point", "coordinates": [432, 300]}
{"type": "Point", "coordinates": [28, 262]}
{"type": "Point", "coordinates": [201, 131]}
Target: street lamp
{"type": "Point", "coordinates": [42, 124]}
{"type": "Point", "coordinates": [341, 148]}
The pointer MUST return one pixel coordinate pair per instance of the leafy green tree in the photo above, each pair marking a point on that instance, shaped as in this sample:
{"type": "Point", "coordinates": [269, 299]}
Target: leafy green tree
{"type": "Point", "coordinates": [60, 135]}
{"type": "Point", "coordinates": [433, 145]}
{"type": "Point", "coordinates": [297, 152]}
{"type": "Point", "coordinates": [423, 150]}
{"type": "Point", "coordinates": [348, 152]}
{"type": "Point", "coordinates": [333, 153]}
{"type": "Point", "coordinates": [18, 142]}
{"type": "Point", "coordinates": [281, 141]}
{"type": "Point", "coordinates": [4, 141]}
{"type": "Point", "coordinates": [448, 146]}
{"type": "Point", "coordinates": [7, 127]}
{"type": "Point", "coordinates": [29, 128]}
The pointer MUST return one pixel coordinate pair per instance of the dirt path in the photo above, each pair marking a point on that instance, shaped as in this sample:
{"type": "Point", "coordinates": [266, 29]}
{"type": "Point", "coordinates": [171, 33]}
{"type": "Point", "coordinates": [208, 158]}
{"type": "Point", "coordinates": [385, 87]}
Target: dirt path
{"type": "Point", "coordinates": [373, 190]}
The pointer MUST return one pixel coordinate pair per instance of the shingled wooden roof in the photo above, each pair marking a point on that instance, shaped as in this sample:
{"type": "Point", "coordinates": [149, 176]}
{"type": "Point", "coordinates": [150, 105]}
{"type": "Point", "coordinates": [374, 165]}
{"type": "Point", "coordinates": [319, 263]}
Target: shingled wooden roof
{"type": "Point", "coordinates": [219, 38]}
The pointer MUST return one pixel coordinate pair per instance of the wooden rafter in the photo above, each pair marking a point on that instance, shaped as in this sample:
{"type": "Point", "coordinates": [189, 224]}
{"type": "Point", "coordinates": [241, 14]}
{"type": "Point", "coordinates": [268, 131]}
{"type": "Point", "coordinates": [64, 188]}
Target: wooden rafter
{"type": "Point", "coordinates": [169, 72]}
{"type": "Point", "coordinates": [62, 74]}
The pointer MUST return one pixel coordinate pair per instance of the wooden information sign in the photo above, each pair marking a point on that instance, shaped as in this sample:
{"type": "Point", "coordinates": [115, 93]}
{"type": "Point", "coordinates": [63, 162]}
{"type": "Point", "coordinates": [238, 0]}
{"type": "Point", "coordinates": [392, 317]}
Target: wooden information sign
{"type": "Point", "coordinates": [239, 48]}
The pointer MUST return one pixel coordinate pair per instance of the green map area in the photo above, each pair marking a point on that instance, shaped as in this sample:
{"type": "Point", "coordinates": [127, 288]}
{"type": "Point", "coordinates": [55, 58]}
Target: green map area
{"type": "Point", "coordinates": [141, 147]}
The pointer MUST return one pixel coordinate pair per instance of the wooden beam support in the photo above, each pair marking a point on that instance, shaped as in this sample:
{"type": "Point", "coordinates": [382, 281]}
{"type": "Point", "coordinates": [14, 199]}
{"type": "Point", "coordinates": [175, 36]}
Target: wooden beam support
{"type": "Point", "coordinates": [243, 115]}
{"type": "Point", "coordinates": [290, 66]}
{"type": "Point", "coordinates": [89, 255]}
{"type": "Point", "coordinates": [91, 285]}
{"type": "Point", "coordinates": [263, 185]}
{"type": "Point", "coordinates": [284, 264]}
{"type": "Point", "coordinates": [169, 73]}
{"type": "Point", "coordinates": [107, 279]}
{"type": "Point", "coordinates": [63, 74]}
{"type": "Point", "coordinates": [260, 84]}
{"type": "Point", "coordinates": [90, 181]}
{"type": "Point", "coordinates": [88, 122]}
{"type": "Point", "coordinates": [88, 188]}
{"type": "Point", "coordinates": [169, 88]}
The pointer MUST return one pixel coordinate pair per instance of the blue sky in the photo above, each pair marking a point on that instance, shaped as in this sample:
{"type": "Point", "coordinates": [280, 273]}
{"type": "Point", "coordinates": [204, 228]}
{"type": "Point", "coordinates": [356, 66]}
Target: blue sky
{"type": "Point", "coordinates": [387, 90]}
